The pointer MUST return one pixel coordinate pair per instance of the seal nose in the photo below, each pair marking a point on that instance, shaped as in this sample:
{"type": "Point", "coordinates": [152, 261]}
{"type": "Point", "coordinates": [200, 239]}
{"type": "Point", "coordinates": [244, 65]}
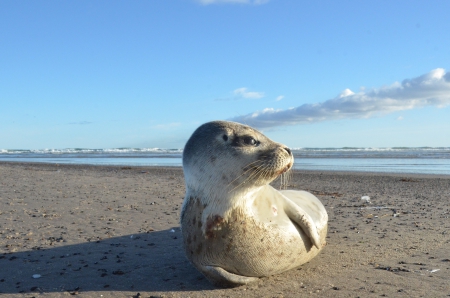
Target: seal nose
{"type": "Point", "coordinates": [288, 150]}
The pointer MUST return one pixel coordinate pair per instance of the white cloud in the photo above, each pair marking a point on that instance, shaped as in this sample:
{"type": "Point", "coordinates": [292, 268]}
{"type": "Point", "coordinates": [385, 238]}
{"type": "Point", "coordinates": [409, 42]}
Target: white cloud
{"type": "Point", "coordinates": [280, 97]}
{"type": "Point", "coordinates": [431, 89]}
{"type": "Point", "coordinates": [346, 92]}
{"type": "Point", "coordinates": [243, 92]}
{"type": "Point", "coordinates": [255, 2]}
{"type": "Point", "coordinates": [400, 118]}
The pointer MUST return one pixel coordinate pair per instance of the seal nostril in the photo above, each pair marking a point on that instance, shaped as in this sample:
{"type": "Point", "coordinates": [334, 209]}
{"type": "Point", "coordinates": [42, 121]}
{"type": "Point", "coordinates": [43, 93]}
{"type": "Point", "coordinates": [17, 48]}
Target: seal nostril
{"type": "Point", "coordinates": [288, 150]}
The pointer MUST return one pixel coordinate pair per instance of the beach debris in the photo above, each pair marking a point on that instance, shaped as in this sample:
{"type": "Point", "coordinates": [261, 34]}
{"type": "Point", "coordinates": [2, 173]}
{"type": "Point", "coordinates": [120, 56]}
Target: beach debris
{"type": "Point", "coordinates": [384, 215]}
{"type": "Point", "coordinates": [74, 292]}
{"type": "Point", "coordinates": [392, 269]}
{"type": "Point", "coordinates": [396, 213]}
{"type": "Point", "coordinates": [433, 270]}
{"type": "Point", "coordinates": [376, 207]}
{"type": "Point", "coordinates": [365, 199]}
{"type": "Point", "coordinates": [408, 180]}
{"type": "Point", "coordinates": [37, 276]}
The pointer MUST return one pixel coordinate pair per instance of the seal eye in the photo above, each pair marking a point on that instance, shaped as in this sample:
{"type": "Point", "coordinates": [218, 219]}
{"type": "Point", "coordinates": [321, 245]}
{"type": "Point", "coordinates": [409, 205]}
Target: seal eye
{"type": "Point", "coordinates": [225, 138]}
{"type": "Point", "coordinates": [250, 141]}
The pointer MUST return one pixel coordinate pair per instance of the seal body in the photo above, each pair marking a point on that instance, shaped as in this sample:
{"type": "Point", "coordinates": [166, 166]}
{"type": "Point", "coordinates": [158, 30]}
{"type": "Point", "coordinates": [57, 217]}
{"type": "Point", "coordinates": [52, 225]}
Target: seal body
{"type": "Point", "coordinates": [236, 227]}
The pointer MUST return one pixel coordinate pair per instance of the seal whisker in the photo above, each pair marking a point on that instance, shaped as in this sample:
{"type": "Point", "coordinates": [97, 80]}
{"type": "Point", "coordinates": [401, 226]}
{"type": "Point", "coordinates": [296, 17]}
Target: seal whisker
{"type": "Point", "coordinates": [255, 170]}
{"type": "Point", "coordinates": [285, 179]}
{"type": "Point", "coordinates": [247, 168]}
{"type": "Point", "coordinates": [264, 173]}
{"type": "Point", "coordinates": [282, 181]}
{"type": "Point", "coordinates": [258, 173]}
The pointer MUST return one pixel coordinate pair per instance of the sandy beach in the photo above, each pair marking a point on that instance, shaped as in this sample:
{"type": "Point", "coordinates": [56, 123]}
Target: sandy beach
{"type": "Point", "coordinates": [96, 231]}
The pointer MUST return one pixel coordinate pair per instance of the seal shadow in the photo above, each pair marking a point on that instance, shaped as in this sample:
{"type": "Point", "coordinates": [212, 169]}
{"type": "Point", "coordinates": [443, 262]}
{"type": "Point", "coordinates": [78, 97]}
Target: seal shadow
{"type": "Point", "coordinates": [145, 262]}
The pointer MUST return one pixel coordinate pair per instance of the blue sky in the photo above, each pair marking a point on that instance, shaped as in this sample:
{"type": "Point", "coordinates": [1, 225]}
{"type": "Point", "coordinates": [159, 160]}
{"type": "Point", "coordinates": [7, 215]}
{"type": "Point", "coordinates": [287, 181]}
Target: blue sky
{"type": "Point", "coordinates": [108, 74]}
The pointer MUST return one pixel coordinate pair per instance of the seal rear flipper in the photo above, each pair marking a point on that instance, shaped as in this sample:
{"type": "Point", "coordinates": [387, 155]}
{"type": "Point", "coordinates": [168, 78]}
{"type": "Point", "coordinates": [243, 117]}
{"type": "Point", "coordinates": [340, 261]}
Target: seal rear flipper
{"type": "Point", "coordinates": [220, 277]}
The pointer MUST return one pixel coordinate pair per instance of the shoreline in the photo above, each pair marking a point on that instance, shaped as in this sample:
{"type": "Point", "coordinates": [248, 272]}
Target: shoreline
{"type": "Point", "coordinates": [338, 172]}
{"type": "Point", "coordinates": [114, 231]}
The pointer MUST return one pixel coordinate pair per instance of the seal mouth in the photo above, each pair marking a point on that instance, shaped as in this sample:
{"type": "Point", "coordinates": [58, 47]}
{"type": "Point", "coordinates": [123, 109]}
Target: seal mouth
{"type": "Point", "coordinates": [285, 169]}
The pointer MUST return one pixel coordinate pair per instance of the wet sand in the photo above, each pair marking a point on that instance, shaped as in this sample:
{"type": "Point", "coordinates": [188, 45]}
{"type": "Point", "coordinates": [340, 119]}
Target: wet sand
{"type": "Point", "coordinates": [95, 231]}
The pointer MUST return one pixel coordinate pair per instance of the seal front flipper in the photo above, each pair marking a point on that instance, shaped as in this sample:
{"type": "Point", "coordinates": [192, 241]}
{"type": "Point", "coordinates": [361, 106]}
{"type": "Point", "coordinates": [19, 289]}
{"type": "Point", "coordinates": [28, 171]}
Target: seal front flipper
{"type": "Point", "coordinates": [221, 277]}
{"type": "Point", "coordinates": [300, 217]}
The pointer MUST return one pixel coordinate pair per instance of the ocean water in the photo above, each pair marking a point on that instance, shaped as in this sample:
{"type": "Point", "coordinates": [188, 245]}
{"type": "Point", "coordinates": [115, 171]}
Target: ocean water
{"type": "Point", "coordinates": [424, 160]}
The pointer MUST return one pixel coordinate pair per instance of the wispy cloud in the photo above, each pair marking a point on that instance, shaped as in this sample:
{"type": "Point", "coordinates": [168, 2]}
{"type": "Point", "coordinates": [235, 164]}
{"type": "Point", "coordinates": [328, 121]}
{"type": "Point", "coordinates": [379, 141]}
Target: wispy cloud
{"type": "Point", "coordinates": [280, 97]}
{"type": "Point", "coordinates": [431, 89]}
{"type": "Point", "coordinates": [254, 2]}
{"type": "Point", "coordinates": [244, 93]}
{"type": "Point", "coordinates": [81, 123]}
{"type": "Point", "coordinates": [167, 125]}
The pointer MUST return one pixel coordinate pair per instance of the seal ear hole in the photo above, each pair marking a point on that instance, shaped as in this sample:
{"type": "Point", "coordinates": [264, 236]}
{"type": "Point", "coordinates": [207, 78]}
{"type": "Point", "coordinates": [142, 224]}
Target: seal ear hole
{"type": "Point", "coordinates": [225, 138]}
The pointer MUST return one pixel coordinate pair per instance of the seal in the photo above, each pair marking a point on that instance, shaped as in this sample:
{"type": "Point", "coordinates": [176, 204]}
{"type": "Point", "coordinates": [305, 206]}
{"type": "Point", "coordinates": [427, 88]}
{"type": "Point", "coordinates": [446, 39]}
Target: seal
{"type": "Point", "coordinates": [236, 227]}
